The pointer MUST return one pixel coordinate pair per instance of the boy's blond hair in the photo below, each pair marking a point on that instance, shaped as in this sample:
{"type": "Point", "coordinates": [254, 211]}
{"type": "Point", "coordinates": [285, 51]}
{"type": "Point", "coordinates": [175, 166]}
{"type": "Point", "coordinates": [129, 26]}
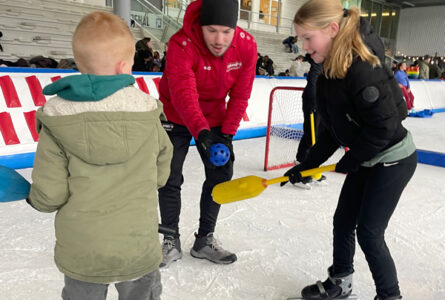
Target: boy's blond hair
{"type": "Point", "coordinates": [317, 15]}
{"type": "Point", "coordinates": [100, 41]}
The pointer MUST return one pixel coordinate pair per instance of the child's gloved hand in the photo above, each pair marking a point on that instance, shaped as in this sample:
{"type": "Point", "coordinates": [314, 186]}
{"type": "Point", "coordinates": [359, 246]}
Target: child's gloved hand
{"type": "Point", "coordinates": [295, 175]}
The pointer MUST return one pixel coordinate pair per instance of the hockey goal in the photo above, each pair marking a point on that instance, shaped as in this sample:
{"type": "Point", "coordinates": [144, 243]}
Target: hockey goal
{"type": "Point", "coordinates": [285, 129]}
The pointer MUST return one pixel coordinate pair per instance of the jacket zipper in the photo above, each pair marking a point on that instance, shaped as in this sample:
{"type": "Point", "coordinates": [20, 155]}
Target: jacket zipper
{"type": "Point", "coordinates": [352, 120]}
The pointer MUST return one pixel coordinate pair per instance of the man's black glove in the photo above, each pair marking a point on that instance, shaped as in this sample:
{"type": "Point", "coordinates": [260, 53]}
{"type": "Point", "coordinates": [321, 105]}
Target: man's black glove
{"type": "Point", "coordinates": [347, 164]}
{"type": "Point", "coordinates": [295, 176]}
{"type": "Point", "coordinates": [228, 138]}
{"type": "Point", "coordinates": [206, 139]}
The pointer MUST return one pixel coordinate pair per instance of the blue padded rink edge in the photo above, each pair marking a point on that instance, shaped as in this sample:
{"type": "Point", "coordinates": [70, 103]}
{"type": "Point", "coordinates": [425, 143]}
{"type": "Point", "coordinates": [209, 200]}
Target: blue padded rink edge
{"type": "Point", "coordinates": [26, 160]}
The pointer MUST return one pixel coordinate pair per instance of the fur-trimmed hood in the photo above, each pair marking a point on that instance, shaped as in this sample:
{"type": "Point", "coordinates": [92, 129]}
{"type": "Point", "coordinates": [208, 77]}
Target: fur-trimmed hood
{"type": "Point", "coordinates": [108, 131]}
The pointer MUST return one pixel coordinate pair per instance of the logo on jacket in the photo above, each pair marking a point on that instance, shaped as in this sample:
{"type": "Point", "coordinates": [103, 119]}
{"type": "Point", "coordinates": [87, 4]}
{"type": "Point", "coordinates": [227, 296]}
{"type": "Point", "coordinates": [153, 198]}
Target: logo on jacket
{"type": "Point", "coordinates": [234, 66]}
{"type": "Point", "coordinates": [207, 68]}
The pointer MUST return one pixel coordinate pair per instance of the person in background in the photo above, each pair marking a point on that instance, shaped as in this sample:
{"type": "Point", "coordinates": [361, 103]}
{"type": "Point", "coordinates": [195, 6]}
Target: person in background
{"type": "Point", "coordinates": [259, 62]}
{"type": "Point", "coordinates": [402, 79]}
{"type": "Point", "coordinates": [413, 70]}
{"type": "Point", "coordinates": [362, 108]}
{"type": "Point", "coordinates": [441, 64]}
{"type": "Point", "coordinates": [144, 44]}
{"type": "Point", "coordinates": [143, 61]}
{"type": "Point", "coordinates": [261, 17]}
{"type": "Point", "coordinates": [208, 60]}
{"type": "Point", "coordinates": [435, 70]}
{"type": "Point", "coordinates": [164, 58]}
{"type": "Point", "coordinates": [67, 63]}
{"type": "Point", "coordinates": [394, 66]}
{"type": "Point", "coordinates": [267, 64]}
{"type": "Point", "coordinates": [291, 43]}
{"type": "Point", "coordinates": [157, 60]}
{"type": "Point", "coordinates": [284, 74]}
{"type": "Point", "coordinates": [43, 62]}
{"type": "Point", "coordinates": [297, 68]}
{"type": "Point", "coordinates": [101, 156]}
{"type": "Point", "coordinates": [424, 69]}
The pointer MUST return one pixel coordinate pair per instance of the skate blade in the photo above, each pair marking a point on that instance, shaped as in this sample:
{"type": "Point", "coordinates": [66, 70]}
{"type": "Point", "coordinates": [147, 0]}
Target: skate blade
{"type": "Point", "coordinates": [303, 186]}
{"type": "Point", "coordinates": [350, 297]}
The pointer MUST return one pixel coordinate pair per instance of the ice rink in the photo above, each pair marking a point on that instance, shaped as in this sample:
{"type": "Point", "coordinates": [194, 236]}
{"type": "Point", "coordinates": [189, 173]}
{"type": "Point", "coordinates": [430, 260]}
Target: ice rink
{"type": "Point", "coordinates": [282, 238]}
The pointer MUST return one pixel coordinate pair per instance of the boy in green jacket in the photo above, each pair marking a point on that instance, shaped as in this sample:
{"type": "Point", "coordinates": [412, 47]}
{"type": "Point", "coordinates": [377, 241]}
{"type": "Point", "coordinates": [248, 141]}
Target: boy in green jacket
{"type": "Point", "coordinates": [101, 157]}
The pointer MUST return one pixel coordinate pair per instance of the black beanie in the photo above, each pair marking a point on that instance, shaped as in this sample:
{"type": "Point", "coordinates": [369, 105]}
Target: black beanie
{"type": "Point", "coordinates": [219, 12]}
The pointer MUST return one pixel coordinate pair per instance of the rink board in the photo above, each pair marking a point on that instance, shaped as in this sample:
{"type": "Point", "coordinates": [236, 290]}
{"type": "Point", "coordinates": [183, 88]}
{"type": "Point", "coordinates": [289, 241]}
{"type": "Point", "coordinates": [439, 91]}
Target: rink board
{"type": "Point", "coordinates": [21, 95]}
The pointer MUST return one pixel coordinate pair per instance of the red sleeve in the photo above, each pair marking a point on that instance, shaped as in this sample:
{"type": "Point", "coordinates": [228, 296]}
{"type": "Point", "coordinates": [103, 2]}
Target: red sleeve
{"type": "Point", "coordinates": [240, 92]}
{"type": "Point", "coordinates": [182, 84]}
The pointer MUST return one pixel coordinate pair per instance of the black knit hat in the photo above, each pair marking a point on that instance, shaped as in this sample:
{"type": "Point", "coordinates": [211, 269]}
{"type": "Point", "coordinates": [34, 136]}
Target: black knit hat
{"type": "Point", "coordinates": [219, 12]}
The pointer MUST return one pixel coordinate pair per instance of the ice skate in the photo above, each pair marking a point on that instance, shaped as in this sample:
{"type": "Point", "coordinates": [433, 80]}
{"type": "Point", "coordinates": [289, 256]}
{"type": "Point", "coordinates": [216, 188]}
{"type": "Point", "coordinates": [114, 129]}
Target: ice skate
{"type": "Point", "coordinates": [335, 287]}
{"type": "Point", "coordinates": [350, 297]}
{"type": "Point", "coordinates": [389, 298]}
{"type": "Point", "coordinates": [304, 184]}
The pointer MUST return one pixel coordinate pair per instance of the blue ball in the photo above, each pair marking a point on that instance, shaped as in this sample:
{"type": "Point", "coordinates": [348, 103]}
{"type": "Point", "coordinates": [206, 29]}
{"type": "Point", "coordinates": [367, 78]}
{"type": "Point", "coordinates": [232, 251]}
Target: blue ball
{"type": "Point", "coordinates": [219, 154]}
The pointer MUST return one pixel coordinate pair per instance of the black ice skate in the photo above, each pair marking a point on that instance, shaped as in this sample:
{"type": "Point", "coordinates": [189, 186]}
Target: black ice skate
{"type": "Point", "coordinates": [389, 298]}
{"type": "Point", "coordinates": [337, 286]}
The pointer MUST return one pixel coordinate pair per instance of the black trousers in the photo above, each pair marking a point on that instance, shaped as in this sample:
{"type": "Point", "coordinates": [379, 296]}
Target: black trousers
{"type": "Point", "coordinates": [367, 202]}
{"type": "Point", "coordinates": [170, 194]}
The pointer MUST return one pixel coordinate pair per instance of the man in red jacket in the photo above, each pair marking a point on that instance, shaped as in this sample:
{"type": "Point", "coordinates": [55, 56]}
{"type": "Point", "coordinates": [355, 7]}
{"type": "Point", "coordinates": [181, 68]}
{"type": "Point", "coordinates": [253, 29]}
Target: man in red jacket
{"type": "Point", "coordinates": [209, 59]}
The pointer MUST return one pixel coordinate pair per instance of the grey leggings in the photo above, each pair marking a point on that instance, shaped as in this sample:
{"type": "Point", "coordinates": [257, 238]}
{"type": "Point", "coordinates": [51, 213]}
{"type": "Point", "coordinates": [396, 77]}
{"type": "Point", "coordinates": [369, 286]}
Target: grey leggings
{"type": "Point", "coordinates": [148, 287]}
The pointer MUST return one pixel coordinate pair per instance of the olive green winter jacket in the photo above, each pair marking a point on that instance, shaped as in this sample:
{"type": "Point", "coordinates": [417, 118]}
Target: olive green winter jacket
{"type": "Point", "coordinates": [99, 165]}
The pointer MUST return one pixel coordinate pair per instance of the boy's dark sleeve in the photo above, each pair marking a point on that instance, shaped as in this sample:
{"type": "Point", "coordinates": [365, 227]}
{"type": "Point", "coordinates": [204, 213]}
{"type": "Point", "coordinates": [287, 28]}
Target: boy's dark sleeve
{"type": "Point", "coordinates": [49, 188]}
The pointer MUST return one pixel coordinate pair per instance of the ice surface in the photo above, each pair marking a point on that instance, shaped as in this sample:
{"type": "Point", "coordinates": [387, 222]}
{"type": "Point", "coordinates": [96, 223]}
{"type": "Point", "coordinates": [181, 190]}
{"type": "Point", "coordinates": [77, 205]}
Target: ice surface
{"type": "Point", "coordinates": [282, 237]}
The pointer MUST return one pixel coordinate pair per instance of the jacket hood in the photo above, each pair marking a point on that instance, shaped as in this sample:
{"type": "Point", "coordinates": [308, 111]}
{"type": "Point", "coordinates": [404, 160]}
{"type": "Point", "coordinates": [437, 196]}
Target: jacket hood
{"type": "Point", "coordinates": [192, 26]}
{"type": "Point", "coordinates": [372, 40]}
{"type": "Point", "coordinates": [88, 87]}
{"type": "Point", "coordinates": [102, 138]}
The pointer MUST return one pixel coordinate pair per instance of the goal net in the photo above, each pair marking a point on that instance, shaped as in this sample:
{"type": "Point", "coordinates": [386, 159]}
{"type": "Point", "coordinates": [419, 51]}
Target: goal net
{"type": "Point", "coordinates": [285, 128]}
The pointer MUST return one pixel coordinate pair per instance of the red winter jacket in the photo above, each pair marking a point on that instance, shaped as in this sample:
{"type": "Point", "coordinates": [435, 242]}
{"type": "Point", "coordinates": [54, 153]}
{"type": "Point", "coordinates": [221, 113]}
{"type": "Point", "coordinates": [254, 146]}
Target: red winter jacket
{"type": "Point", "coordinates": [195, 83]}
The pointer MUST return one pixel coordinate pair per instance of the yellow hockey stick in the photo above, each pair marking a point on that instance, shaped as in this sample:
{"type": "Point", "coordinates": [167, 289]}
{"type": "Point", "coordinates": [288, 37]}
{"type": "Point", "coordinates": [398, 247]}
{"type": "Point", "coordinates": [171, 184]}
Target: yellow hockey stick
{"type": "Point", "coordinates": [251, 186]}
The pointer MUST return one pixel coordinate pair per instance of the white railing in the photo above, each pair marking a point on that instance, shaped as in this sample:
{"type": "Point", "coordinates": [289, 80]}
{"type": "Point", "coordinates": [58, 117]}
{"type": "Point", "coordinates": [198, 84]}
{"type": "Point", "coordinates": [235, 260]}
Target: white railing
{"type": "Point", "coordinates": [266, 22]}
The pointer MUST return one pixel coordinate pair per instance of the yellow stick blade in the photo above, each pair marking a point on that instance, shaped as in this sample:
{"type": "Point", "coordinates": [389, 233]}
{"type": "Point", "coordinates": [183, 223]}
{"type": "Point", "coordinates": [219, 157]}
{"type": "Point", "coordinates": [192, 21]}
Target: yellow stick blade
{"type": "Point", "coordinates": [251, 186]}
{"type": "Point", "coordinates": [238, 189]}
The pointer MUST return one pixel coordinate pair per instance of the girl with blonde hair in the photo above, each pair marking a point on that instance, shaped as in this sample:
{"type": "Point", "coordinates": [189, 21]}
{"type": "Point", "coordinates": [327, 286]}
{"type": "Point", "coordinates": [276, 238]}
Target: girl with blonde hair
{"type": "Point", "coordinates": [361, 107]}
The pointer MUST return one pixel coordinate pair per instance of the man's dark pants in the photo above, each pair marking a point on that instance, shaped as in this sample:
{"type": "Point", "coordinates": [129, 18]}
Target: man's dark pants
{"type": "Point", "coordinates": [170, 194]}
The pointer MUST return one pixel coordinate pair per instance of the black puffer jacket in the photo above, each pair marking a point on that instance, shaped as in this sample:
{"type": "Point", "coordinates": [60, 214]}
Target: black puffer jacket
{"type": "Point", "coordinates": [363, 111]}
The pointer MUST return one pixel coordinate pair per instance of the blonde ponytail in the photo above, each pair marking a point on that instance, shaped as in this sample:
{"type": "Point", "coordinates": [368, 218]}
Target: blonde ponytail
{"type": "Point", "coordinates": [348, 44]}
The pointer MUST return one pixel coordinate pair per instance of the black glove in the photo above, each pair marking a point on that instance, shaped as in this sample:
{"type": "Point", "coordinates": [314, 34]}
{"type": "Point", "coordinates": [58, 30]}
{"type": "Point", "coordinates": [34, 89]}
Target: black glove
{"type": "Point", "coordinates": [228, 138]}
{"type": "Point", "coordinates": [206, 139]}
{"type": "Point", "coordinates": [295, 175]}
{"type": "Point", "coordinates": [347, 164]}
